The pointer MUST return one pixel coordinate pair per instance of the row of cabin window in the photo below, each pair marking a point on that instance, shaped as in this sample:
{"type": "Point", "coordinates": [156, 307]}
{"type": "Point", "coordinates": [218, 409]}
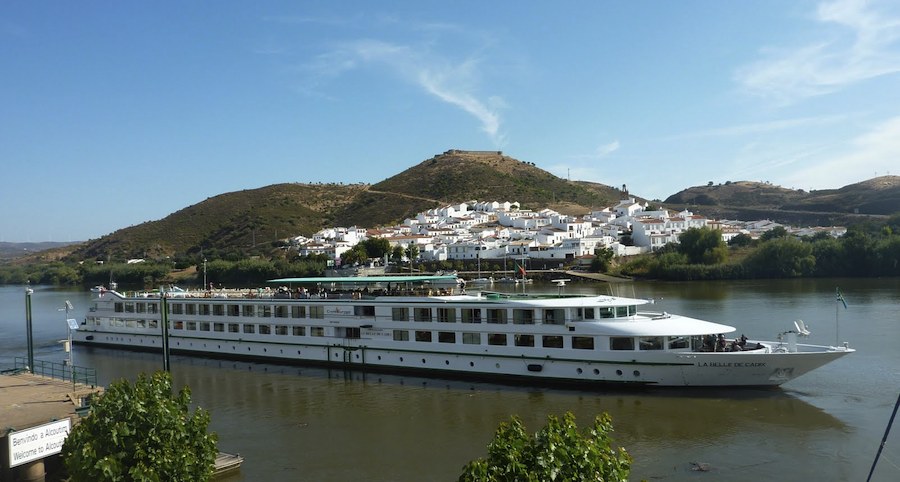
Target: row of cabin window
{"type": "Point", "coordinates": [520, 316]}
{"type": "Point", "coordinates": [496, 339]}
{"type": "Point", "coordinates": [546, 341]}
{"type": "Point", "coordinates": [444, 315]}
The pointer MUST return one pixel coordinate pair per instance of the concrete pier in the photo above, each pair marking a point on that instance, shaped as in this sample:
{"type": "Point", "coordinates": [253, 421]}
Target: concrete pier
{"type": "Point", "coordinates": [28, 401]}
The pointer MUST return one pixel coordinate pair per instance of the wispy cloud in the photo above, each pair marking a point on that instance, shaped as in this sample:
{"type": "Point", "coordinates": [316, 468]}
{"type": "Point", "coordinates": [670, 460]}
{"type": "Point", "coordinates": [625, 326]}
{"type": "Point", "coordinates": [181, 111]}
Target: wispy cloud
{"type": "Point", "coordinates": [874, 151]}
{"type": "Point", "coordinates": [453, 82]}
{"type": "Point", "coordinates": [759, 127]}
{"type": "Point", "coordinates": [786, 74]}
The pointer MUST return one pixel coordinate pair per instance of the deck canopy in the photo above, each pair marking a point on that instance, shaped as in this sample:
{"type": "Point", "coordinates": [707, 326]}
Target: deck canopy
{"type": "Point", "coordinates": [368, 279]}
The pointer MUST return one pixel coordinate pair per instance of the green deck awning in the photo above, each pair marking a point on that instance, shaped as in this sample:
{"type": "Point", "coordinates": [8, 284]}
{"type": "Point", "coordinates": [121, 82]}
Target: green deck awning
{"type": "Point", "coordinates": [368, 279]}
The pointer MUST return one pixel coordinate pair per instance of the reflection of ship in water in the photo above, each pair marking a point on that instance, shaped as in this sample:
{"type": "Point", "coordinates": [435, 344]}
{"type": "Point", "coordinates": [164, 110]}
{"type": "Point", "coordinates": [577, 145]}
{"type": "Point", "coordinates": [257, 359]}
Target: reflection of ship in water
{"type": "Point", "coordinates": [298, 396]}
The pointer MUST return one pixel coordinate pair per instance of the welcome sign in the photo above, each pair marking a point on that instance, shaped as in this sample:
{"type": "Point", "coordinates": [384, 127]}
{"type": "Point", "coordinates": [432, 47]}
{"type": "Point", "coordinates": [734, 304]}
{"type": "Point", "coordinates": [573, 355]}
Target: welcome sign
{"type": "Point", "coordinates": [37, 442]}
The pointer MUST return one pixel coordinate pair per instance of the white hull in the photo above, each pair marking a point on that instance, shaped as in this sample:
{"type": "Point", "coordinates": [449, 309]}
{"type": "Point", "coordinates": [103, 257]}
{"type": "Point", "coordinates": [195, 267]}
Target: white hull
{"type": "Point", "coordinates": [369, 340]}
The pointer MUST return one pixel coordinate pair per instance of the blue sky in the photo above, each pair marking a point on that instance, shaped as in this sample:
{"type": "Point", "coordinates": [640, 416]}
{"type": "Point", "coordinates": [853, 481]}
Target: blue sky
{"type": "Point", "coordinates": [117, 113]}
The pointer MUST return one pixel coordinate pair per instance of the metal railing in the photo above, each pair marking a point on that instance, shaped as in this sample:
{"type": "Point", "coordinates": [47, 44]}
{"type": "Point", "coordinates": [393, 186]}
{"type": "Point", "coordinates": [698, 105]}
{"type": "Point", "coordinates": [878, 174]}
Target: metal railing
{"type": "Point", "coordinates": [59, 371]}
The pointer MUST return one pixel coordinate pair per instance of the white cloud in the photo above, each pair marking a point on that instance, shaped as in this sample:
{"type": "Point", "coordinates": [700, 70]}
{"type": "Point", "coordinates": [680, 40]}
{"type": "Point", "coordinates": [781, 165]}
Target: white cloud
{"type": "Point", "coordinates": [871, 152]}
{"type": "Point", "coordinates": [759, 127]}
{"type": "Point", "coordinates": [607, 149]}
{"type": "Point", "coordinates": [452, 82]}
{"type": "Point", "coordinates": [827, 65]}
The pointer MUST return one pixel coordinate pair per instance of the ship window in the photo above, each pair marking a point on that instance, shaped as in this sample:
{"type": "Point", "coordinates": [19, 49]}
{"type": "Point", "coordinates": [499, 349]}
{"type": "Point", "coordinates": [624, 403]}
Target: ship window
{"type": "Point", "coordinates": [400, 314]}
{"type": "Point", "coordinates": [264, 311]}
{"type": "Point", "coordinates": [317, 311]}
{"type": "Point", "coordinates": [281, 311]}
{"type": "Point", "coordinates": [583, 342]}
{"type": "Point", "coordinates": [555, 317]}
{"type": "Point", "coordinates": [176, 308]}
{"type": "Point", "coordinates": [446, 337]}
{"type": "Point", "coordinates": [401, 335]}
{"type": "Point", "coordinates": [234, 310]}
{"type": "Point", "coordinates": [422, 314]}
{"type": "Point", "coordinates": [588, 313]}
{"type": "Point", "coordinates": [579, 314]}
{"type": "Point", "coordinates": [218, 310]}
{"type": "Point", "coordinates": [203, 309]}
{"type": "Point", "coordinates": [471, 315]}
{"type": "Point", "coordinates": [607, 312]}
{"type": "Point", "coordinates": [248, 328]}
{"type": "Point", "coordinates": [234, 328]}
{"type": "Point", "coordinates": [678, 343]}
{"type": "Point", "coordinates": [119, 307]}
{"type": "Point", "coordinates": [299, 330]}
{"type": "Point", "coordinates": [281, 329]}
{"type": "Point", "coordinates": [364, 310]}
{"type": "Point", "coordinates": [143, 324]}
{"type": "Point", "coordinates": [190, 309]}
{"type": "Point", "coordinates": [497, 339]}
{"type": "Point", "coordinates": [248, 310]}
{"type": "Point", "coordinates": [523, 317]}
{"type": "Point", "coordinates": [265, 329]}
{"type": "Point", "coordinates": [154, 324]}
{"type": "Point", "coordinates": [495, 315]}
{"type": "Point", "coordinates": [204, 326]}
{"type": "Point", "coordinates": [632, 310]}
{"type": "Point", "coordinates": [141, 307]}
{"type": "Point", "coordinates": [446, 315]}
{"type": "Point", "coordinates": [423, 336]}
{"type": "Point", "coordinates": [129, 307]}
{"type": "Point", "coordinates": [552, 341]}
{"type": "Point", "coordinates": [218, 326]}
{"type": "Point", "coordinates": [471, 338]}
{"type": "Point", "coordinates": [651, 343]}
{"type": "Point", "coordinates": [152, 308]}
{"type": "Point", "coordinates": [133, 323]}
{"type": "Point", "coordinates": [298, 312]}
{"type": "Point", "coordinates": [524, 340]}
{"type": "Point", "coordinates": [317, 331]}
{"type": "Point", "coordinates": [621, 343]}
{"type": "Point", "coordinates": [191, 325]}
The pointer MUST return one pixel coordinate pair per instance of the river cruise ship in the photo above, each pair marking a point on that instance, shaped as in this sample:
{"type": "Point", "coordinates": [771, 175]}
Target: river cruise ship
{"type": "Point", "coordinates": [431, 325]}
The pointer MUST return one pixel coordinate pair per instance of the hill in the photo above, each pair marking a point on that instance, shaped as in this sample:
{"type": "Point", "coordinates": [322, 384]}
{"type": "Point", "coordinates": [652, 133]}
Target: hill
{"type": "Point", "coordinates": [253, 221]}
{"type": "Point", "coordinates": [755, 200]}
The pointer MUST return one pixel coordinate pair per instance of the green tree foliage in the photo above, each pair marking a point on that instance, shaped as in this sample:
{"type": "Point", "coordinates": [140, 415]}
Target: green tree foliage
{"type": "Point", "coordinates": [356, 254]}
{"type": "Point", "coordinates": [602, 260]}
{"type": "Point", "coordinates": [703, 246]}
{"type": "Point", "coordinates": [781, 258]}
{"type": "Point", "coordinates": [376, 247]}
{"type": "Point", "coordinates": [558, 452]}
{"type": "Point", "coordinates": [741, 240]}
{"type": "Point", "coordinates": [141, 432]}
{"type": "Point", "coordinates": [774, 233]}
{"type": "Point", "coordinates": [397, 254]}
{"type": "Point", "coordinates": [412, 254]}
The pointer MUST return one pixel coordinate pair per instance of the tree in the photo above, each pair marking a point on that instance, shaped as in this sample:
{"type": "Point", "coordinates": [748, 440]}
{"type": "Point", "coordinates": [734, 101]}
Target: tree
{"type": "Point", "coordinates": [412, 254]}
{"type": "Point", "coordinates": [141, 432]}
{"type": "Point", "coordinates": [703, 245]}
{"type": "Point", "coordinates": [376, 247]}
{"type": "Point", "coordinates": [602, 260]}
{"type": "Point", "coordinates": [397, 254]}
{"type": "Point", "coordinates": [774, 233]}
{"type": "Point", "coordinates": [557, 452]}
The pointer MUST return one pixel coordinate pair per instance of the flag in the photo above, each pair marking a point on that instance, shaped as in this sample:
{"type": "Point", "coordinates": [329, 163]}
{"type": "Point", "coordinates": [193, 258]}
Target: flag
{"type": "Point", "coordinates": [840, 297]}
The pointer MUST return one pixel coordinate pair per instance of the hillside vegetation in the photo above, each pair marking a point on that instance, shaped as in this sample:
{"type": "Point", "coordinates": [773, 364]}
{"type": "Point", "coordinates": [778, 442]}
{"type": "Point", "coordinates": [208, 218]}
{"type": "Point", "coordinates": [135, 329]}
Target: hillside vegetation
{"type": "Point", "coordinates": [253, 222]}
{"type": "Point", "coordinates": [879, 197]}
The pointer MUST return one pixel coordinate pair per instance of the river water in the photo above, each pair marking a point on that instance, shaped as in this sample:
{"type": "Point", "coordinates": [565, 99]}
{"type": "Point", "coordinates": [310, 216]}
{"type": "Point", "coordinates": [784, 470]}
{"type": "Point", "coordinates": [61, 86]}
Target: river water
{"type": "Point", "coordinates": [300, 423]}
